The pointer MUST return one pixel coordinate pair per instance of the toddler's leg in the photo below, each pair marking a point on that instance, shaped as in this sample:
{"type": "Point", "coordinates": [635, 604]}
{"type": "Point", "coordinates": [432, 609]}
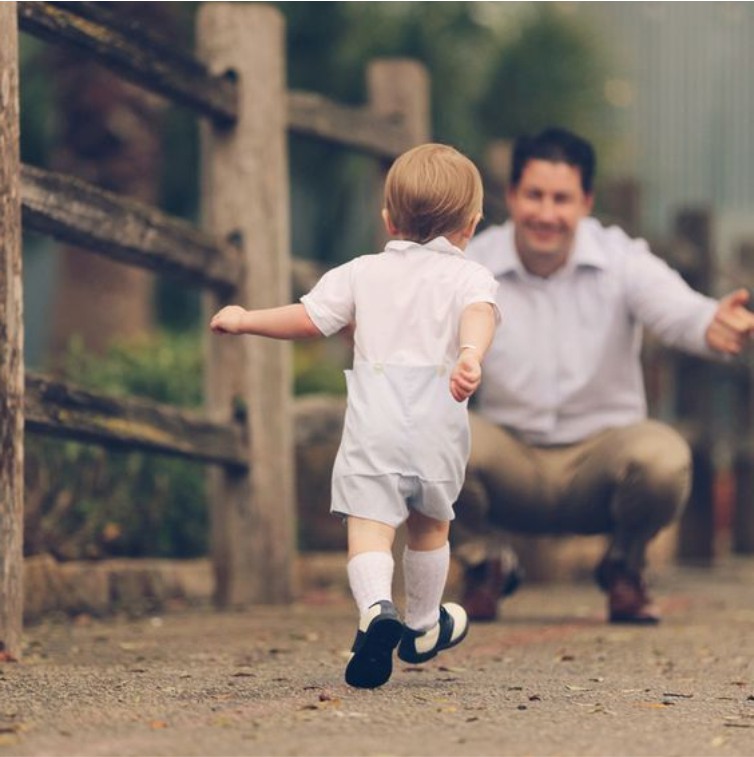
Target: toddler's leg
{"type": "Point", "coordinates": [430, 627]}
{"type": "Point", "coordinates": [370, 575]}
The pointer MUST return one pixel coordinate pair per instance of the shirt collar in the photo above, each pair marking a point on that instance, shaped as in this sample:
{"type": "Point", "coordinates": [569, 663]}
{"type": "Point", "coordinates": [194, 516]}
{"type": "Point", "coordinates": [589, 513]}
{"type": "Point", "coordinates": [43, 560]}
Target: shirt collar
{"type": "Point", "coordinates": [586, 252]}
{"type": "Point", "coordinates": [438, 244]}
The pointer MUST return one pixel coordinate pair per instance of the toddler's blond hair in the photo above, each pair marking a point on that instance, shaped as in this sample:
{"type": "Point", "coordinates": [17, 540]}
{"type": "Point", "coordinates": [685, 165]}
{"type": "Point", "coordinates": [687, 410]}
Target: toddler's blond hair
{"type": "Point", "coordinates": [432, 190]}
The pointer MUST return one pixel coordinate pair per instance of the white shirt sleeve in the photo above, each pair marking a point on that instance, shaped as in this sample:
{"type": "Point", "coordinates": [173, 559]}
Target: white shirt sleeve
{"type": "Point", "coordinates": [330, 304]}
{"type": "Point", "coordinates": [480, 287]}
{"type": "Point", "coordinates": [665, 304]}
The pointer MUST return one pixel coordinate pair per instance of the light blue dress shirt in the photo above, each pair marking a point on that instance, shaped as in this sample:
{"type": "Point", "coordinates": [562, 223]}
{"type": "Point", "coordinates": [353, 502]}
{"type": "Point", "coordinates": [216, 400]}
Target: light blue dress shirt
{"type": "Point", "coordinates": [565, 362]}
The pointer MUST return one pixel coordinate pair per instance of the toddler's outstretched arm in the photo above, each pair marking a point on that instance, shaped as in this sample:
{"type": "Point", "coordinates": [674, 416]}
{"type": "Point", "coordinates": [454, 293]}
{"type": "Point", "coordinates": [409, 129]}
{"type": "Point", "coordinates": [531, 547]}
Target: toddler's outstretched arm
{"type": "Point", "coordinates": [476, 331]}
{"type": "Point", "coordinates": [286, 322]}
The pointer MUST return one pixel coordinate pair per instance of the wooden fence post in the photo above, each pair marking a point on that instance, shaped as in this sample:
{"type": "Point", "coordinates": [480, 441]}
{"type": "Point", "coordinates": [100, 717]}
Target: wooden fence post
{"type": "Point", "coordinates": [696, 537]}
{"type": "Point", "coordinates": [398, 88]}
{"type": "Point", "coordinates": [742, 542]}
{"type": "Point", "coordinates": [11, 353]}
{"type": "Point", "coordinates": [743, 514]}
{"type": "Point", "coordinates": [245, 196]}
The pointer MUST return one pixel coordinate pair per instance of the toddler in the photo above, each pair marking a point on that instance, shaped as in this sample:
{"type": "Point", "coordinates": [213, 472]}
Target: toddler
{"type": "Point", "coordinates": [423, 319]}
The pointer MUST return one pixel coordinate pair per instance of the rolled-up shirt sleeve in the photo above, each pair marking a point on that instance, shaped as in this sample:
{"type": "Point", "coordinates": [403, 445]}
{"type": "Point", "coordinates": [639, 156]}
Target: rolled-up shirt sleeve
{"type": "Point", "coordinates": [330, 304]}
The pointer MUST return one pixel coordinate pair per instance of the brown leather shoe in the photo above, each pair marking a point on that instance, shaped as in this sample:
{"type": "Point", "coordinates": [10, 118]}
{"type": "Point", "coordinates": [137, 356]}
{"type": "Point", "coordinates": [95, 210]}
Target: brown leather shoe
{"type": "Point", "coordinates": [627, 597]}
{"type": "Point", "coordinates": [486, 583]}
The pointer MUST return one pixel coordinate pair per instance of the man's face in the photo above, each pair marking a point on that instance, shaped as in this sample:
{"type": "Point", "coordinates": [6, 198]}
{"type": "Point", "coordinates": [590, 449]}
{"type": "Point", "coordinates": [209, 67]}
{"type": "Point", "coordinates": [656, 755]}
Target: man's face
{"type": "Point", "coordinates": [546, 207]}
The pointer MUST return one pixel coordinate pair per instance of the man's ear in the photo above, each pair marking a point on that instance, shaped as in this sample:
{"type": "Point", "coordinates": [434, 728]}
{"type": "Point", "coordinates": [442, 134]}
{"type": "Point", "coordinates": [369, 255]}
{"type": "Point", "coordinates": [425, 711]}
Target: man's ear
{"type": "Point", "coordinates": [389, 225]}
{"type": "Point", "coordinates": [588, 203]}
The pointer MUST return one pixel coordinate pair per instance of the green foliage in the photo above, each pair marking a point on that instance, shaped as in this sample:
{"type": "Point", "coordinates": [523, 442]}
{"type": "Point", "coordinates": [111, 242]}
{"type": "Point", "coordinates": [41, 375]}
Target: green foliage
{"type": "Point", "coordinates": [164, 366]}
{"type": "Point", "coordinates": [35, 94]}
{"type": "Point", "coordinates": [316, 371]}
{"type": "Point", "coordinates": [84, 501]}
{"type": "Point", "coordinates": [550, 74]}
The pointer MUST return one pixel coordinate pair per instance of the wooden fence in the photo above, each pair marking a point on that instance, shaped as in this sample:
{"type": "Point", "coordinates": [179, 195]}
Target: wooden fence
{"type": "Point", "coordinates": [711, 403]}
{"type": "Point", "coordinates": [237, 85]}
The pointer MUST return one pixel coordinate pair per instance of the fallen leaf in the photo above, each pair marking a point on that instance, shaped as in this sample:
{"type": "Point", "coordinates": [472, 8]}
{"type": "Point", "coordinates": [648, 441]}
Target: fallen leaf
{"type": "Point", "coordinates": [131, 646]}
{"type": "Point", "coordinates": [156, 725]}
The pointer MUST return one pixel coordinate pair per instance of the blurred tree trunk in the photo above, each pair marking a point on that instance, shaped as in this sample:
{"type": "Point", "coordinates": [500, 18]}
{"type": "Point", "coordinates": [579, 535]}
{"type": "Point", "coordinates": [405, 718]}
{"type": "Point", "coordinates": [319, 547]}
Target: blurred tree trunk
{"type": "Point", "coordinates": [110, 135]}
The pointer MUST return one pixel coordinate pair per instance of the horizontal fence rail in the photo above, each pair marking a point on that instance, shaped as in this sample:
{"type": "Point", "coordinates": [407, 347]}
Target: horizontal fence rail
{"type": "Point", "coordinates": [59, 409]}
{"type": "Point", "coordinates": [81, 214]}
{"type": "Point", "coordinates": [355, 127]}
{"type": "Point", "coordinates": [134, 53]}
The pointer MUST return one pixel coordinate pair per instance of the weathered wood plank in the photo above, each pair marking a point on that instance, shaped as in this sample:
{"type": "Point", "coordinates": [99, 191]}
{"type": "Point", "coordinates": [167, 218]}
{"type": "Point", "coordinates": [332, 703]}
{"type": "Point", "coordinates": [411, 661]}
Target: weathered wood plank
{"type": "Point", "coordinates": [12, 349]}
{"type": "Point", "coordinates": [245, 187]}
{"type": "Point", "coordinates": [125, 230]}
{"type": "Point", "coordinates": [360, 128]}
{"type": "Point", "coordinates": [133, 52]}
{"type": "Point", "coordinates": [59, 409]}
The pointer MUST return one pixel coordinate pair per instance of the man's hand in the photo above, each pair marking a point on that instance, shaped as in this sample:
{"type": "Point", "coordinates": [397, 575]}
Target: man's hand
{"type": "Point", "coordinates": [466, 376]}
{"type": "Point", "coordinates": [228, 320]}
{"type": "Point", "coordinates": [732, 325]}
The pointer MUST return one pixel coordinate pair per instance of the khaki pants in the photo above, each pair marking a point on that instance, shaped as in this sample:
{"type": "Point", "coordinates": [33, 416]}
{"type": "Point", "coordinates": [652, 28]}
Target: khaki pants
{"type": "Point", "coordinates": [628, 483]}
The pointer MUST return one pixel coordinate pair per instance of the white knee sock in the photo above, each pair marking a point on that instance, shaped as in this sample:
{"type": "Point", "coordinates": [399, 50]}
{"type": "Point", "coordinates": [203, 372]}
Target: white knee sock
{"type": "Point", "coordinates": [425, 574]}
{"type": "Point", "coordinates": [370, 575]}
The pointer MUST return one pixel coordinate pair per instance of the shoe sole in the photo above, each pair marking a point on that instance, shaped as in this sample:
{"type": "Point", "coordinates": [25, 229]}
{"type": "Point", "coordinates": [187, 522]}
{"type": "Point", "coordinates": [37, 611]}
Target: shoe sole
{"type": "Point", "coordinates": [372, 664]}
{"type": "Point", "coordinates": [635, 620]}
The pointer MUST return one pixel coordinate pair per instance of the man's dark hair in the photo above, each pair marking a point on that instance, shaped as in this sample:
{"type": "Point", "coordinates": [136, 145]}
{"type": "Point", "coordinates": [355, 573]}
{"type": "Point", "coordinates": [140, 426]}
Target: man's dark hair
{"type": "Point", "coordinates": [557, 146]}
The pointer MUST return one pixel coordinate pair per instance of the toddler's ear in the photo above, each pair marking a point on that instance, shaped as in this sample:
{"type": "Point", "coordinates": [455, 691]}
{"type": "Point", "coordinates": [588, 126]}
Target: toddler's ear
{"type": "Point", "coordinates": [471, 228]}
{"type": "Point", "coordinates": [389, 225]}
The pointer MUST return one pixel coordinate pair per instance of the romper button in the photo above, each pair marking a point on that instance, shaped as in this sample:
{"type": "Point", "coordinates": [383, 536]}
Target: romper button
{"type": "Point", "coordinates": [440, 370]}
{"type": "Point", "coordinates": [378, 367]}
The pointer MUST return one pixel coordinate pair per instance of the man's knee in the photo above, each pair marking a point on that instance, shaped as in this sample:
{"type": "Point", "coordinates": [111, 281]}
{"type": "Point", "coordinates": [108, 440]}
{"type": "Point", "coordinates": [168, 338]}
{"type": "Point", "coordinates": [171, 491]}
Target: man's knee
{"type": "Point", "coordinates": [658, 465]}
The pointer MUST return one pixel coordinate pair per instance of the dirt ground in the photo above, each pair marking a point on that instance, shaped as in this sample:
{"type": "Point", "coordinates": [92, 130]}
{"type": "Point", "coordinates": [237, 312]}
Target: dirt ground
{"type": "Point", "coordinates": [550, 678]}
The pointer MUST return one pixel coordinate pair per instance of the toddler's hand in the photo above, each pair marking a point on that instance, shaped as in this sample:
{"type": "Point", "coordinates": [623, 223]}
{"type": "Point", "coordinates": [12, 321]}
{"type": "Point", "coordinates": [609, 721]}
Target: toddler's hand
{"type": "Point", "coordinates": [466, 376]}
{"type": "Point", "coordinates": [228, 320]}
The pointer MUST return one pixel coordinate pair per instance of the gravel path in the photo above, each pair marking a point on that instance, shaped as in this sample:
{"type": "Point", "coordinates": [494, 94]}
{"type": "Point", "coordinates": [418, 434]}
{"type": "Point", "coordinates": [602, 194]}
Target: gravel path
{"type": "Point", "coordinates": [551, 678]}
